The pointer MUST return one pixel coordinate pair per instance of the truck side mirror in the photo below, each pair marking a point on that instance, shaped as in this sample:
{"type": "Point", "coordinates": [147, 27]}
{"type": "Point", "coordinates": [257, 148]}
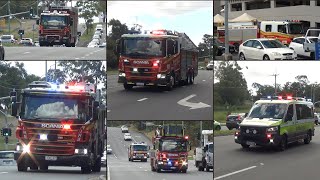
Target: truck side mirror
{"type": "Point", "coordinates": [37, 21]}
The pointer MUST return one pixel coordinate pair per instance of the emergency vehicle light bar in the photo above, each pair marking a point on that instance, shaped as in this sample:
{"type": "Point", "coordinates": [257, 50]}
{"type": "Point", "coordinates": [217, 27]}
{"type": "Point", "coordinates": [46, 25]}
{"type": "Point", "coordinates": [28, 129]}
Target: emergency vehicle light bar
{"type": "Point", "coordinates": [288, 97]}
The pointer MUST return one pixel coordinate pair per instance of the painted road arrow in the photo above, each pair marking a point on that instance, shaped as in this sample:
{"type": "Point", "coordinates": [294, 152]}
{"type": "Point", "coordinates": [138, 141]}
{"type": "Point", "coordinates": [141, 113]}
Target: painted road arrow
{"type": "Point", "coordinates": [184, 102]}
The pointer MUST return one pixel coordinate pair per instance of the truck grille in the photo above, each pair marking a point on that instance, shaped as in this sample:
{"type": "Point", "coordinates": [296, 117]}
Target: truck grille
{"type": "Point", "coordinates": [52, 31]}
{"type": "Point", "coordinates": [59, 142]}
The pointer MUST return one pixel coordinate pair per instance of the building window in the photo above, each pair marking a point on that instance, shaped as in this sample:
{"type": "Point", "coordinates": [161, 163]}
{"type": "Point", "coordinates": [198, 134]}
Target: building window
{"type": "Point", "coordinates": [285, 3]}
{"type": "Point", "coordinates": [282, 3]}
{"type": "Point", "coordinates": [236, 7]}
{"type": "Point", "coordinates": [268, 28]}
{"type": "Point", "coordinates": [258, 5]}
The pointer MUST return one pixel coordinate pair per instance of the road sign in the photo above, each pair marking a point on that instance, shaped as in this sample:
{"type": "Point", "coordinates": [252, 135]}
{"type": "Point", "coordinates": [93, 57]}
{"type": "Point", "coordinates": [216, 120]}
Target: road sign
{"type": "Point", "coordinates": [317, 51]}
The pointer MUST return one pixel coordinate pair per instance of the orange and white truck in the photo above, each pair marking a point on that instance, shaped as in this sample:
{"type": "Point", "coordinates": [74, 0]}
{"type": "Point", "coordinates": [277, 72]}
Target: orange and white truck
{"type": "Point", "coordinates": [284, 31]}
{"type": "Point", "coordinates": [156, 58]}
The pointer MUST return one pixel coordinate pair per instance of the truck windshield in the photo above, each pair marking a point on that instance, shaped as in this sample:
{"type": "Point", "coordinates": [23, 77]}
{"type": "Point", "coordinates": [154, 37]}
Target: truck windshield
{"type": "Point", "coordinates": [52, 107]}
{"type": "Point", "coordinates": [295, 28]}
{"type": "Point", "coordinates": [210, 150]}
{"type": "Point", "coordinates": [139, 47]}
{"type": "Point", "coordinates": [173, 145]}
{"type": "Point", "coordinates": [268, 110]}
{"type": "Point", "coordinates": [56, 21]}
{"type": "Point", "coordinates": [140, 148]}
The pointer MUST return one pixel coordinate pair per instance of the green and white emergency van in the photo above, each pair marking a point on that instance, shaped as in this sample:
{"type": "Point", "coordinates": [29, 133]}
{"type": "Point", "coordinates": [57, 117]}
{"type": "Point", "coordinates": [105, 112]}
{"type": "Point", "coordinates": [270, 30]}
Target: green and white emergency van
{"type": "Point", "coordinates": [277, 121]}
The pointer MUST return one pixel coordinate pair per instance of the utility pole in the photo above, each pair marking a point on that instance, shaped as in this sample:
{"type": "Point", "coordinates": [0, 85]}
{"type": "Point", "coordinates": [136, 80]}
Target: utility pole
{"type": "Point", "coordinates": [226, 29]}
{"type": "Point", "coordinates": [37, 8]}
{"type": "Point", "coordinates": [275, 83]}
{"type": "Point", "coordinates": [9, 17]}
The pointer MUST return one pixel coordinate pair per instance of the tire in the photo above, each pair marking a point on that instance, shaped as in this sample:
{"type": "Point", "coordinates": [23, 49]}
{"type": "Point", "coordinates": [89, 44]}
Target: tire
{"type": "Point", "coordinates": [312, 55]}
{"type": "Point", "coordinates": [34, 167]}
{"type": "Point", "coordinates": [200, 168]}
{"type": "Point", "coordinates": [73, 45]}
{"type": "Point", "coordinates": [97, 165]}
{"type": "Point", "coordinates": [207, 168]}
{"type": "Point", "coordinates": [158, 170]}
{"type": "Point", "coordinates": [22, 166]}
{"type": "Point", "coordinates": [218, 128]}
{"type": "Point", "coordinates": [85, 169]}
{"type": "Point", "coordinates": [266, 57]}
{"type": "Point", "coordinates": [127, 86]}
{"type": "Point", "coordinates": [44, 167]}
{"type": "Point", "coordinates": [245, 146]}
{"type": "Point", "coordinates": [129, 159]}
{"type": "Point", "coordinates": [242, 57]}
{"type": "Point", "coordinates": [307, 139]}
{"type": "Point", "coordinates": [283, 144]}
{"type": "Point", "coordinates": [184, 170]}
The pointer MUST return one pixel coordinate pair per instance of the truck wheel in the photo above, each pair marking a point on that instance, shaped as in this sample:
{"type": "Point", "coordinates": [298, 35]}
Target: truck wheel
{"type": "Point", "coordinates": [85, 169]}
{"type": "Point", "coordinates": [200, 168]}
{"type": "Point", "coordinates": [34, 167]}
{"type": "Point", "coordinates": [283, 144]}
{"type": "Point", "coordinates": [307, 139]}
{"type": "Point", "coordinates": [207, 168]}
{"type": "Point", "coordinates": [22, 166]}
{"type": "Point", "coordinates": [73, 44]}
{"type": "Point", "coordinates": [44, 167]}
{"type": "Point", "coordinates": [127, 86]}
{"type": "Point", "coordinates": [184, 170]}
{"type": "Point", "coordinates": [97, 165]}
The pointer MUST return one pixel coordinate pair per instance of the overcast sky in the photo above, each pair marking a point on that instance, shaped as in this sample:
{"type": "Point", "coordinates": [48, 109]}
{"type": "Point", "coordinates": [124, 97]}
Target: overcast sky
{"type": "Point", "coordinates": [261, 71]}
{"type": "Point", "coordinates": [195, 18]}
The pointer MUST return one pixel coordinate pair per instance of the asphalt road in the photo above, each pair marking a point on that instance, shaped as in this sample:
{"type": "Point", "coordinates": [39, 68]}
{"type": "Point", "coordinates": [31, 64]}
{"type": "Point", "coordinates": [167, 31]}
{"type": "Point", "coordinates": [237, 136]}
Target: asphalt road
{"type": "Point", "coordinates": [193, 102]}
{"type": "Point", "coordinates": [55, 53]}
{"type": "Point", "coordinates": [120, 168]}
{"type": "Point", "coordinates": [54, 173]}
{"type": "Point", "coordinates": [298, 162]}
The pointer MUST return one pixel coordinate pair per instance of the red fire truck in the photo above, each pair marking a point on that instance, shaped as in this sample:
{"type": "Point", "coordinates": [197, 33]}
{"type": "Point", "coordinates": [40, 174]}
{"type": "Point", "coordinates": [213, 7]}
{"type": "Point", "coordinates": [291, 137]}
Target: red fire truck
{"type": "Point", "coordinates": [285, 31]}
{"type": "Point", "coordinates": [170, 149]}
{"type": "Point", "coordinates": [157, 58]}
{"type": "Point", "coordinates": [58, 26]}
{"type": "Point", "coordinates": [60, 125]}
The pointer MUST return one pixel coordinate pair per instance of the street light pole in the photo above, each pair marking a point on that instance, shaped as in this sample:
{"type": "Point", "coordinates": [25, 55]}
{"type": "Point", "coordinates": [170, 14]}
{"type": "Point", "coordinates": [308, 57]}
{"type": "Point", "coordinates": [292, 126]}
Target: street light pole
{"type": "Point", "coordinates": [226, 29]}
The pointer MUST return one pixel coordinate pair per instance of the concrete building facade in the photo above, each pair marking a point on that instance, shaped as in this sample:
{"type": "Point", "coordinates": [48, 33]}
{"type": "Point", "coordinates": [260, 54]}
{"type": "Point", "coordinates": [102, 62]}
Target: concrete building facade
{"type": "Point", "coordinates": [306, 11]}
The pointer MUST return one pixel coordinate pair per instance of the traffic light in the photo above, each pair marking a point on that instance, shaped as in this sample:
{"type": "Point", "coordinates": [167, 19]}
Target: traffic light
{"type": "Point", "coordinates": [31, 12]}
{"type": "Point", "coordinates": [6, 131]}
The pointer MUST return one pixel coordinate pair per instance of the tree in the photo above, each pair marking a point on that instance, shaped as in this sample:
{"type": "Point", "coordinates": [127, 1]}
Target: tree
{"type": "Point", "coordinates": [232, 87]}
{"type": "Point", "coordinates": [88, 71]}
{"type": "Point", "coordinates": [88, 9]}
{"type": "Point", "coordinates": [56, 76]}
{"type": "Point", "coordinates": [206, 47]}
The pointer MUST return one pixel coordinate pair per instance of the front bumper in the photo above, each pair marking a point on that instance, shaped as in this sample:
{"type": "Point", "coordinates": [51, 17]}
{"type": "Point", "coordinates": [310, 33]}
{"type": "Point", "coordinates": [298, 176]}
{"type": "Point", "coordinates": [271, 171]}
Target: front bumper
{"type": "Point", "coordinates": [166, 166]}
{"type": "Point", "coordinates": [73, 160]}
{"type": "Point", "coordinates": [146, 82]}
{"type": "Point", "coordinates": [260, 140]}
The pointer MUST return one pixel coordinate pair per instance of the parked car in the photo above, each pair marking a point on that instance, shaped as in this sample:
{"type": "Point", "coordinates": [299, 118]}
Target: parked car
{"type": "Point", "coordinates": [209, 66]}
{"type": "Point", "coordinates": [96, 36]}
{"type": "Point", "coordinates": [36, 43]}
{"type": "Point", "coordinates": [7, 39]}
{"type": "Point", "coordinates": [1, 51]}
{"type": "Point", "coordinates": [124, 129]}
{"type": "Point", "coordinates": [98, 33]}
{"type": "Point", "coordinates": [109, 150]}
{"type": "Point", "coordinates": [297, 45]}
{"type": "Point", "coordinates": [265, 49]}
{"type": "Point", "coordinates": [216, 125]}
{"type": "Point", "coordinates": [221, 47]}
{"type": "Point", "coordinates": [26, 42]}
{"type": "Point", "coordinates": [233, 120]}
{"type": "Point", "coordinates": [92, 45]}
{"type": "Point", "coordinates": [7, 158]}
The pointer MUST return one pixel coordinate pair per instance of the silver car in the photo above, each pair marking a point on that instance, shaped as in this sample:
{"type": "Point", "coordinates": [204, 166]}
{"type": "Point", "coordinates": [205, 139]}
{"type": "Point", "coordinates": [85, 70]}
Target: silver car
{"type": "Point", "coordinates": [7, 158]}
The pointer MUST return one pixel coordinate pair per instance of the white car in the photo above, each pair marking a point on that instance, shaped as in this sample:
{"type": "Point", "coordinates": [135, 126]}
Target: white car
{"type": "Point", "coordinates": [265, 49]}
{"type": "Point", "coordinates": [109, 150]}
{"type": "Point", "coordinates": [297, 45]}
{"type": "Point", "coordinates": [7, 158]}
{"type": "Point", "coordinates": [96, 36]}
{"type": "Point", "coordinates": [124, 129]}
{"type": "Point", "coordinates": [209, 66]}
{"type": "Point", "coordinates": [92, 45]}
{"type": "Point", "coordinates": [127, 137]}
{"type": "Point", "coordinates": [97, 41]}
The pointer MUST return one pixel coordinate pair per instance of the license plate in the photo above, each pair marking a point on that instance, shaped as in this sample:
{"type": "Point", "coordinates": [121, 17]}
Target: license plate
{"type": "Point", "coordinates": [140, 84]}
{"type": "Point", "coordinates": [172, 167]}
{"type": "Point", "coordinates": [51, 158]}
{"type": "Point", "coordinates": [251, 143]}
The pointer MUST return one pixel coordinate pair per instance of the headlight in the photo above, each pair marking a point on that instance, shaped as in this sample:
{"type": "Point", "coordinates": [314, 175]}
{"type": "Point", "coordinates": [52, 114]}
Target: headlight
{"type": "Point", "coordinates": [184, 163]}
{"type": "Point", "coordinates": [80, 151]}
{"type": "Point", "coordinates": [161, 76]}
{"type": "Point", "coordinates": [272, 129]}
{"type": "Point", "coordinates": [43, 137]}
{"type": "Point", "coordinates": [18, 148]}
{"type": "Point", "coordinates": [26, 148]}
{"type": "Point", "coordinates": [276, 53]}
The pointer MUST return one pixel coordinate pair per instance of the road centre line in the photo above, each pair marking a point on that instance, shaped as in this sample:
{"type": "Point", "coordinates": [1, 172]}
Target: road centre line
{"type": "Point", "coordinates": [108, 175]}
{"type": "Point", "coordinates": [142, 99]}
{"type": "Point", "coordinates": [235, 172]}
{"type": "Point", "coordinates": [3, 172]}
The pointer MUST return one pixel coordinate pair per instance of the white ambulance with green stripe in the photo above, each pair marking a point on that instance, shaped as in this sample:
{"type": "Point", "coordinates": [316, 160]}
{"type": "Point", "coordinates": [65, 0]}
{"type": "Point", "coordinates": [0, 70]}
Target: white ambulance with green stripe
{"type": "Point", "coordinates": [277, 121]}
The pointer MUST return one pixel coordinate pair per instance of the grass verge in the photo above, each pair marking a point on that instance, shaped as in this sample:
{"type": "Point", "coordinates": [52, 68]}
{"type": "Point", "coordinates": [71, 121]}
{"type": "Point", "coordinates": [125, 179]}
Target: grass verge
{"type": "Point", "coordinates": [224, 132]}
{"type": "Point", "coordinates": [11, 144]}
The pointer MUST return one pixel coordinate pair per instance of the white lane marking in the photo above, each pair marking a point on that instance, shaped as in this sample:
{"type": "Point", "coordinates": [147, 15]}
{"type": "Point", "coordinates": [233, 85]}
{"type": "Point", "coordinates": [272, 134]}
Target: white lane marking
{"type": "Point", "coordinates": [115, 156]}
{"type": "Point", "coordinates": [26, 52]}
{"type": "Point", "coordinates": [203, 80]}
{"type": "Point", "coordinates": [108, 111]}
{"type": "Point", "coordinates": [235, 172]}
{"type": "Point", "coordinates": [184, 102]}
{"type": "Point", "coordinates": [142, 99]}
{"type": "Point", "coordinates": [3, 172]}
{"type": "Point", "coordinates": [76, 58]}
{"type": "Point", "coordinates": [108, 176]}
